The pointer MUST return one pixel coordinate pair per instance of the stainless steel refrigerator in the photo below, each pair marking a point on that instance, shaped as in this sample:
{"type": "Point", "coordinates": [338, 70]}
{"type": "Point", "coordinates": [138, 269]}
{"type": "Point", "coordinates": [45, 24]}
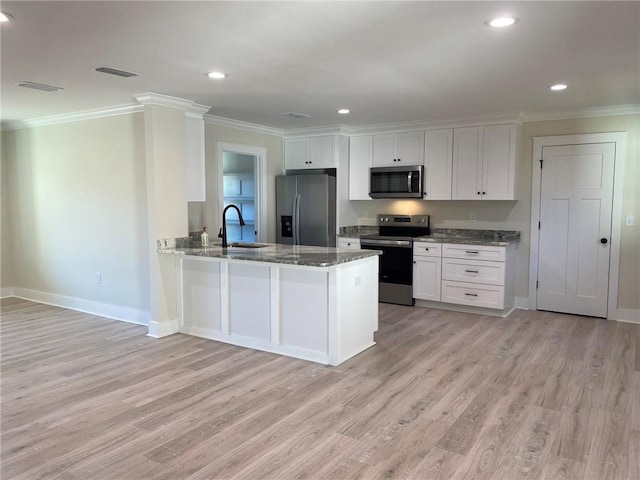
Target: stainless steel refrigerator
{"type": "Point", "coordinates": [306, 209]}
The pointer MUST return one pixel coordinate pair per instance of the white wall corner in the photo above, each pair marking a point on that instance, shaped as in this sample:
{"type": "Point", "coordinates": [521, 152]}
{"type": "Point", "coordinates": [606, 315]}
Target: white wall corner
{"type": "Point", "coordinates": [522, 303]}
{"type": "Point", "coordinates": [114, 312]}
{"type": "Point", "coordinates": [163, 329]}
{"type": "Point", "coordinates": [628, 315]}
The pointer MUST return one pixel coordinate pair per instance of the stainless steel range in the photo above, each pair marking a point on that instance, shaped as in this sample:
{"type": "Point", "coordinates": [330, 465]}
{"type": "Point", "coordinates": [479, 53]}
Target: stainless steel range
{"type": "Point", "coordinates": [395, 239]}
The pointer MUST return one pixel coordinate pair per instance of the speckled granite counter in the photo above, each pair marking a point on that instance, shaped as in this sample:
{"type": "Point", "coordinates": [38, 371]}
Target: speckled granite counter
{"type": "Point", "coordinates": [275, 253]}
{"type": "Point", "coordinates": [472, 237]}
{"type": "Point", "coordinates": [357, 231]}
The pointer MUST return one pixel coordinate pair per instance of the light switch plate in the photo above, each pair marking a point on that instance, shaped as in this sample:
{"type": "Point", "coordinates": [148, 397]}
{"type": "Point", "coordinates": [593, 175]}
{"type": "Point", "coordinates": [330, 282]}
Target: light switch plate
{"type": "Point", "coordinates": [630, 221]}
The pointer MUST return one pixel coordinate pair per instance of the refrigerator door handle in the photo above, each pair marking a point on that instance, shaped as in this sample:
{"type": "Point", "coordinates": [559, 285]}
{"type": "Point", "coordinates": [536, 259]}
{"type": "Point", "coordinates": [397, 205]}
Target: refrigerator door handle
{"type": "Point", "coordinates": [293, 217]}
{"type": "Point", "coordinates": [296, 220]}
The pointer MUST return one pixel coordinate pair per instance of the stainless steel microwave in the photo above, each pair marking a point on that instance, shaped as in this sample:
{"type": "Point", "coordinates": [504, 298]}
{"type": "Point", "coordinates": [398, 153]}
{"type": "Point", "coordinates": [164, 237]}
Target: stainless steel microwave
{"type": "Point", "coordinates": [397, 182]}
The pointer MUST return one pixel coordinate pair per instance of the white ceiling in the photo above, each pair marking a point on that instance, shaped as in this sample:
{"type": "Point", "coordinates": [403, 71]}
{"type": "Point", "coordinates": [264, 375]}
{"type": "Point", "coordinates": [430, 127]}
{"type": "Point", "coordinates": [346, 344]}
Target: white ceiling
{"type": "Point", "coordinates": [386, 61]}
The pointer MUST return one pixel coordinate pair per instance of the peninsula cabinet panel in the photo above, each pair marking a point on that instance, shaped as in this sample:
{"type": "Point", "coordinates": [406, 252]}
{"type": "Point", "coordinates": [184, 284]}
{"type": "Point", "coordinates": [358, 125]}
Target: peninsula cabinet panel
{"type": "Point", "coordinates": [299, 301]}
{"type": "Point", "coordinates": [249, 301]}
{"type": "Point", "coordinates": [199, 280]}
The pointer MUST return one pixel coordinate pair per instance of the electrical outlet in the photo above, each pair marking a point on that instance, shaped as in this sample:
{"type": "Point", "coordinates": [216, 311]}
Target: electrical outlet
{"type": "Point", "coordinates": [98, 278]}
{"type": "Point", "coordinates": [630, 221]}
{"type": "Point", "coordinates": [472, 217]}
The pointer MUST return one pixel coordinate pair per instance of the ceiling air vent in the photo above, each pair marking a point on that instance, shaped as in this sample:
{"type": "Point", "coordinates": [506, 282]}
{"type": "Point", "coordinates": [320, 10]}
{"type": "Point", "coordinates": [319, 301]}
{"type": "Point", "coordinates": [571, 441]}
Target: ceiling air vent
{"type": "Point", "coordinates": [296, 115]}
{"type": "Point", "coordinates": [39, 86]}
{"type": "Point", "coordinates": [116, 72]}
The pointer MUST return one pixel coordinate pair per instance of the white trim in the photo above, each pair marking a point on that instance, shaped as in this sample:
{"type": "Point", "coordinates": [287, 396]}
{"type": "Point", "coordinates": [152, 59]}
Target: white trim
{"type": "Point", "coordinates": [628, 315]}
{"type": "Point", "coordinates": [72, 117]}
{"type": "Point", "coordinates": [436, 124]}
{"type": "Point", "coordinates": [317, 131]}
{"type": "Point", "coordinates": [260, 193]}
{"type": "Point", "coordinates": [245, 126]}
{"type": "Point", "coordinates": [163, 329]}
{"type": "Point", "coordinates": [582, 113]}
{"type": "Point", "coordinates": [7, 292]}
{"type": "Point", "coordinates": [114, 312]}
{"type": "Point", "coordinates": [150, 98]}
{"type": "Point", "coordinates": [490, 312]}
{"type": "Point", "coordinates": [620, 139]}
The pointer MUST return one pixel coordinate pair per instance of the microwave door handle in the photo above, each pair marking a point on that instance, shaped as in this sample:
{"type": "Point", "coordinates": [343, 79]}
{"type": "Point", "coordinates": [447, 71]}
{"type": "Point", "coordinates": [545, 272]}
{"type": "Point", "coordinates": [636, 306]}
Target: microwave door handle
{"type": "Point", "coordinates": [409, 175]}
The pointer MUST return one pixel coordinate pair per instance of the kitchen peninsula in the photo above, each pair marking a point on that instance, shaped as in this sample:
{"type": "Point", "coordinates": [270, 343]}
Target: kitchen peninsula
{"type": "Point", "coordinates": [315, 303]}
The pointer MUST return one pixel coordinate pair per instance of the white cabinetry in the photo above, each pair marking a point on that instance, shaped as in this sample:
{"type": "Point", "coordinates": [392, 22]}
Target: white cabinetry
{"type": "Point", "coordinates": [310, 152]}
{"type": "Point", "coordinates": [438, 160]}
{"type": "Point", "coordinates": [484, 160]}
{"type": "Point", "coordinates": [395, 149]}
{"type": "Point", "coordinates": [426, 271]}
{"type": "Point", "coordinates": [478, 276]}
{"type": "Point", "coordinates": [348, 242]}
{"type": "Point", "coordinates": [360, 161]}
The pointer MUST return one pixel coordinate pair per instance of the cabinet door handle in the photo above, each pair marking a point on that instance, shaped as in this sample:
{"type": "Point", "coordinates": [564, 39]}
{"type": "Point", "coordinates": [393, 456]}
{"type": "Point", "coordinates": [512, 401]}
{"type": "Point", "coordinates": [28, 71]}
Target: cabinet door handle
{"type": "Point", "coordinates": [471, 271]}
{"type": "Point", "coordinates": [471, 294]}
{"type": "Point", "coordinates": [472, 252]}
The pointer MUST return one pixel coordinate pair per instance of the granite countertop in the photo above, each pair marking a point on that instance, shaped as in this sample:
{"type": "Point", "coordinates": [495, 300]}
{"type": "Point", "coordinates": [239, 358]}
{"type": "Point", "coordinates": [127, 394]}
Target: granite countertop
{"type": "Point", "coordinates": [472, 237]}
{"type": "Point", "coordinates": [274, 253]}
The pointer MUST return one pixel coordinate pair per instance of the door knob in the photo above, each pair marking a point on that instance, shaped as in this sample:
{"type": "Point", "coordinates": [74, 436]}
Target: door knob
{"type": "Point", "coordinates": [603, 240]}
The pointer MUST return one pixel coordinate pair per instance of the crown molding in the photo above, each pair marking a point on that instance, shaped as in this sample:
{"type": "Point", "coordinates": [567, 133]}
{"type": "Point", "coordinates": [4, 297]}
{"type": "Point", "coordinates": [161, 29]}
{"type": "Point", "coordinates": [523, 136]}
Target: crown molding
{"type": "Point", "coordinates": [317, 131]}
{"type": "Point", "coordinates": [72, 117]}
{"type": "Point", "coordinates": [191, 107]}
{"type": "Point", "coordinates": [630, 109]}
{"type": "Point", "coordinates": [246, 126]}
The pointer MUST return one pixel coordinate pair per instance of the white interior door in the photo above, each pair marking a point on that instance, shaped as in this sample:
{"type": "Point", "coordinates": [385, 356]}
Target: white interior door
{"type": "Point", "coordinates": [576, 200]}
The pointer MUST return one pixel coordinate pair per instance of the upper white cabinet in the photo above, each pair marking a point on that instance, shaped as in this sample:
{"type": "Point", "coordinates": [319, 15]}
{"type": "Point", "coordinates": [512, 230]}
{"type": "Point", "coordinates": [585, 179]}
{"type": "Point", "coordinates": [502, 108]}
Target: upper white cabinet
{"type": "Point", "coordinates": [310, 152]}
{"type": "Point", "coordinates": [394, 149]}
{"type": "Point", "coordinates": [484, 160]}
{"type": "Point", "coordinates": [438, 164]}
{"type": "Point", "coordinates": [360, 161]}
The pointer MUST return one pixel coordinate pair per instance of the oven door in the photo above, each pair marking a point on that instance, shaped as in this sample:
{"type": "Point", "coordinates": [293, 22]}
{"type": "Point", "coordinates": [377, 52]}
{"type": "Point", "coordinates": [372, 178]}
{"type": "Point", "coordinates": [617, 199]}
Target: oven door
{"type": "Point", "coordinates": [396, 269]}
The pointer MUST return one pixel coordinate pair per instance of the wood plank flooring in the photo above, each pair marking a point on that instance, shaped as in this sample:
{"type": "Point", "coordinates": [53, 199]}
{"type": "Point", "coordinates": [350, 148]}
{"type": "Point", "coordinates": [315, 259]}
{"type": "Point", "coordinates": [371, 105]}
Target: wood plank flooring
{"type": "Point", "coordinates": [442, 395]}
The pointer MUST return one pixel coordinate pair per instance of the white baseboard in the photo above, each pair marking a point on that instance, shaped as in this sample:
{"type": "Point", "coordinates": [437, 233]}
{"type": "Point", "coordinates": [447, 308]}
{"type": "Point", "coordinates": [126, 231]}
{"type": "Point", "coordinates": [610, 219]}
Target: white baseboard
{"type": "Point", "coordinates": [628, 315]}
{"type": "Point", "coordinates": [521, 303]}
{"type": "Point", "coordinates": [163, 329]}
{"type": "Point", "coordinates": [6, 292]}
{"type": "Point", "coordinates": [114, 312]}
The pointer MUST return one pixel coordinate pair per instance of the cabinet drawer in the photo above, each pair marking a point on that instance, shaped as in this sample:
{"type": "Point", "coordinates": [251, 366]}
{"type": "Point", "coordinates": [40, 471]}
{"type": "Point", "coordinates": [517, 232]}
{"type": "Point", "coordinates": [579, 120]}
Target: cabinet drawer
{"type": "Point", "coordinates": [427, 249]}
{"type": "Point", "coordinates": [353, 243]}
{"type": "Point", "coordinates": [490, 273]}
{"type": "Point", "coordinates": [477, 252]}
{"type": "Point", "coordinates": [485, 296]}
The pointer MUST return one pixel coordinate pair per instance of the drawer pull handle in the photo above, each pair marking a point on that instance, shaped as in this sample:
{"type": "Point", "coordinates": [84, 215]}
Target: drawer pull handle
{"type": "Point", "coordinates": [472, 252]}
{"type": "Point", "coordinates": [471, 294]}
{"type": "Point", "coordinates": [472, 271]}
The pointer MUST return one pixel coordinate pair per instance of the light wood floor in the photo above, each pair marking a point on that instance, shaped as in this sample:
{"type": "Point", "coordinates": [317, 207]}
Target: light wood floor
{"type": "Point", "coordinates": [441, 396]}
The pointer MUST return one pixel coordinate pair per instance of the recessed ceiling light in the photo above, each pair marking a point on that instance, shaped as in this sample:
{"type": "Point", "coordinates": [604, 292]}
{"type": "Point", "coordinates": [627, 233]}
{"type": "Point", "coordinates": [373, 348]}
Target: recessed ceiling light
{"type": "Point", "coordinates": [216, 75]}
{"type": "Point", "coordinates": [5, 17]}
{"type": "Point", "coordinates": [344, 111]}
{"type": "Point", "coordinates": [558, 87]}
{"type": "Point", "coordinates": [500, 22]}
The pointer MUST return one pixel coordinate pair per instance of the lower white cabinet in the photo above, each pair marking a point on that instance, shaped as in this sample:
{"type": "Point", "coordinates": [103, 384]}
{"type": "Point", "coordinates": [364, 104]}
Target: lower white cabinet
{"type": "Point", "coordinates": [348, 242]}
{"type": "Point", "coordinates": [477, 277]}
{"type": "Point", "coordinates": [426, 271]}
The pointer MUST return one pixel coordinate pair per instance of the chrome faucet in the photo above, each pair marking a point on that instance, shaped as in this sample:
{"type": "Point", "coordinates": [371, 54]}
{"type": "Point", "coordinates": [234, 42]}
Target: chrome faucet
{"type": "Point", "coordinates": [223, 230]}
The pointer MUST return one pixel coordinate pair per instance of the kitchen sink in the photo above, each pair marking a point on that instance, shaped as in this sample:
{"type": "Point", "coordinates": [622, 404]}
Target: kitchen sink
{"type": "Point", "coordinates": [247, 245]}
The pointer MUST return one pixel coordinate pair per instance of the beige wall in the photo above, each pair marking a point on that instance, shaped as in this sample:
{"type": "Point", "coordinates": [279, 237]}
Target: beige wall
{"type": "Point", "coordinates": [77, 207]}
{"type": "Point", "coordinates": [210, 212]}
{"type": "Point", "coordinates": [6, 250]}
{"type": "Point", "coordinates": [516, 215]}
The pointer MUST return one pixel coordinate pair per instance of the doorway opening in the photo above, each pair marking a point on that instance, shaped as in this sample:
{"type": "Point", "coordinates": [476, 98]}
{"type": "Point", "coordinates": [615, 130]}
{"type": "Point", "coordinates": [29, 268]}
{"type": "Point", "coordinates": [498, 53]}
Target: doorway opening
{"type": "Point", "coordinates": [240, 183]}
